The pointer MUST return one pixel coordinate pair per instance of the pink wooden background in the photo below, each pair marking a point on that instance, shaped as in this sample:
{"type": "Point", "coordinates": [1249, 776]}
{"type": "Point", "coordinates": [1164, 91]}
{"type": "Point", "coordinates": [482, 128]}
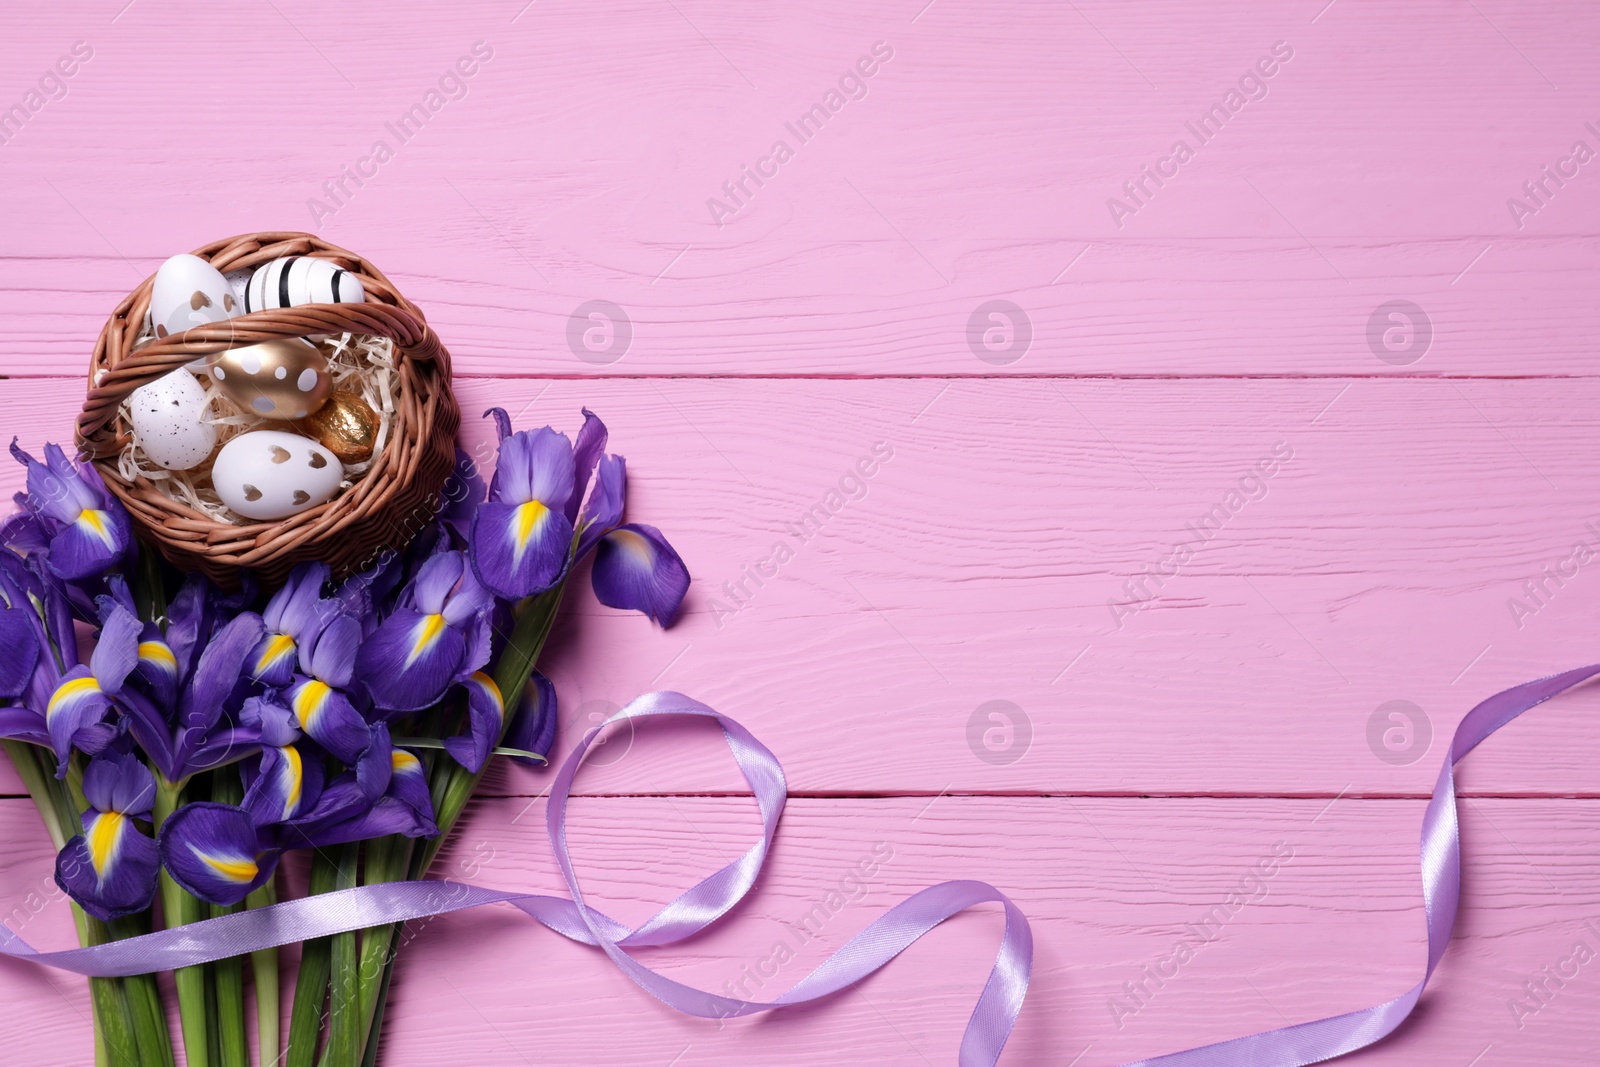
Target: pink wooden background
{"type": "Point", "coordinates": [1222, 318]}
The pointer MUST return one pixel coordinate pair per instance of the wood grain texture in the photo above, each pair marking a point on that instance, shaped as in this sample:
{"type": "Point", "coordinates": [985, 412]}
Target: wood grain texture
{"type": "Point", "coordinates": [1176, 343]}
{"type": "Point", "coordinates": [979, 164]}
{"type": "Point", "coordinates": [1111, 886]}
{"type": "Point", "coordinates": [977, 563]}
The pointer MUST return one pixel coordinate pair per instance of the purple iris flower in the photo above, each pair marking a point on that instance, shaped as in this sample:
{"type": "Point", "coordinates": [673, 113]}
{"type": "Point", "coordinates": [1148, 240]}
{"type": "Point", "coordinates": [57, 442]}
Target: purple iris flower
{"type": "Point", "coordinates": [521, 537]}
{"type": "Point", "coordinates": [319, 697]}
{"type": "Point", "coordinates": [110, 869]}
{"type": "Point", "coordinates": [221, 853]}
{"type": "Point", "coordinates": [533, 727]}
{"type": "Point", "coordinates": [155, 671]}
{"type": "Point", "coordinates": [202, 731]}
{"type": "Point", "coordinates": [68, 512]}
{"type": "Point", "coordinates": [437, 635]}
{"type": "Point", "coordinates": [292, 619]}
{"type": "Point", "coordinates": [635, 567]}
{"type": "Point", "coordinates": [65, 704]}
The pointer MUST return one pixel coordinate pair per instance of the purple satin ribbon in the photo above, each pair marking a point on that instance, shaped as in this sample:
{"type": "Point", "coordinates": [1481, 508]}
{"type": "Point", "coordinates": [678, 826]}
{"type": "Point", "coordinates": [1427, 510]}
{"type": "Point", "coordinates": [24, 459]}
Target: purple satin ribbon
{"type": "Point", "coordinates": [871, 949]}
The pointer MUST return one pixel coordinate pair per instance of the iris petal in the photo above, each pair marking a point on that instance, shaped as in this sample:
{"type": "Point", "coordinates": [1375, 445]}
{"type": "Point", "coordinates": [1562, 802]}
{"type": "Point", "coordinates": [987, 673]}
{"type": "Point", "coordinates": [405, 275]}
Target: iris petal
{"type": "Point", "coordinates": [636, 569]}
{"type": "Point", "coordinates": [286, 785]}
{"type": "Point", "coordinates": [517, 552]}
{"type": "Point", "coordinates": [534, 465]}
{"type": "Point", "coordinates": [410, 660]}
{"type": "Point", "coordinates": [19, 651]}
{"type": "Point", "coordinates": [297, 608]}
{"type": "Point", "coordinates": [435, 581]}
{"type": "Point", "coordinates": [157, 666]}
{"type": "Point", "coordinates": [590, 444]}
{"type": "Point", "coordinates": [116, 653]}
{"type": "Point", "coordinates": [486, 715]}
{"type": "Point", "coordinates": [93, 542]}
{"type": "Point", "coordinates": [534, 727]}
{"type": "Point", "coordinates": [218, 670]}
{"type": "Point", "coordinates": [77, 704]}
{"type": "Point", "coordinates": [110, 869]}
{"type": "Point", "coordinates": [333, 656]}
{"type": "Point", "coordinates": [273, 660]}
{"type": "Point", "coordinates": [215, 852]}
{"type": "Point", "coordinates": [23, 724]}
{"type": "Point", "coordinates": [328, 717]}
{"type": "Point", "coordinates": [603, 510]}
{"type": "Point", "coordinates": [119, 782]}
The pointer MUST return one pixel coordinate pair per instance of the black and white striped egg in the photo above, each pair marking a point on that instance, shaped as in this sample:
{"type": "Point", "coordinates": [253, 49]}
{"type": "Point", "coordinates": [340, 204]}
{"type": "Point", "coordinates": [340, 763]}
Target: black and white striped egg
{"type": "Point", "coordinates": [296, 280]}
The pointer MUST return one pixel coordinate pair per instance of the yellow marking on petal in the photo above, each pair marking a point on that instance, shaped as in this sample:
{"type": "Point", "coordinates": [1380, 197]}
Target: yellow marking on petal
{"type": "Point", "coordinates": [159, 655]}
{"type": "Point", "coordinates": [233, 868]}
{"type": "Point", "coordinates": [278, 646]}
{"type": "Point", "coordinates": [636, 545]}
{"type": "Point", "coordinates": [525, 522]}
{"type": "Point", "coordinates": [103, 836]}
{"type": "Point", "coordinates": [488, 685]}
{"type": "Point", "coordinates": [424, 636]}
{"type": "Point", "coordinates": [97, 523]}
{"type": "Point", "coordinates": [294, 768]}
{"type": "Point", "coordinates": [309, 700]}
{"type": "Point", "coordinates": [69, 692]}
{"type": "Point", "coordinates": [404, 762]}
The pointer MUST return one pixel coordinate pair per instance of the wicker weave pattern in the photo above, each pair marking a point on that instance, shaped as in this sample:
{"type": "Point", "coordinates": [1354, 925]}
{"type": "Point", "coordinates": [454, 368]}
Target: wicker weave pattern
{"type": "Point", "coordinates": [398, 495]}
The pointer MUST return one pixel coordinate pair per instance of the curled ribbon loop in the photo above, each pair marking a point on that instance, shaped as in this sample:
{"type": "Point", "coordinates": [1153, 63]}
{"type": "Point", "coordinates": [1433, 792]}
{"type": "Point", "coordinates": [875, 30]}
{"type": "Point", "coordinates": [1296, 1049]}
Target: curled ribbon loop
{"type": "Point", "coordinates": [692, 911]}
{"type": "Point", "coordinates": [871, 949]}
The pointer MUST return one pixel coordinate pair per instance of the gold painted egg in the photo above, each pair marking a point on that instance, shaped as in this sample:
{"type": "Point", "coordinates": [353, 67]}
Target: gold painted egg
{"type": "Point", "coordinates": [285, 378]}
{"type": "Point", "coordinates": [346, 425]}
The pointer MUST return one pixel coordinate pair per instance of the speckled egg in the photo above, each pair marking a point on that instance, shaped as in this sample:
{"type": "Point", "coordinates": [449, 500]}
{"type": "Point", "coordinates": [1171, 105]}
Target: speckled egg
{"type": "Point", "coordinates": [271, 474]}
{"type": "Point", "coordinates": [188, 292]}
{"type": "Point", "coordinates": [166, 421]}
{"type": "Point", "coordinates": [286, 378]}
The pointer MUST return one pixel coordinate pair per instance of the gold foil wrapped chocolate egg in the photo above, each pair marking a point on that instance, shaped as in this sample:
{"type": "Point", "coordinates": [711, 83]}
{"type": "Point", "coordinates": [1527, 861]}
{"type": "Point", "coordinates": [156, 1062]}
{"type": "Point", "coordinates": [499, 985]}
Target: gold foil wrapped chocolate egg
{"type": "Point", "coordinates": [346, 426]}
{"type": "Point", "coordinates": [285, 378]}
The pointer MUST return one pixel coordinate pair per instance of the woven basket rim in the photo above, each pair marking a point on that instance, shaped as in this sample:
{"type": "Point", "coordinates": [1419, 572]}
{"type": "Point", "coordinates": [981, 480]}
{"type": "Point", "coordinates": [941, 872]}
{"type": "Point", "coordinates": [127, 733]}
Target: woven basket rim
{"type": "Point", "coordinates": [400, 486]}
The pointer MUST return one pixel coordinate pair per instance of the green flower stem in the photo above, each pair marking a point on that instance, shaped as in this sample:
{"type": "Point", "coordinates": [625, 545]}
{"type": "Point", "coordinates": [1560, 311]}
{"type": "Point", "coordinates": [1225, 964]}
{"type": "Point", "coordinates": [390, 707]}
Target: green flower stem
{"type": "Point", "coordinates": [344, 1009]}
{"type": "Point", "coordinates": [181, 908]}
{"type": "Point", "coordinates": [264, 971]}
{"type": "Point", "coordinates": [452, 787]}
{"type": "Point", "coordinates": [311, 983]}
{"type": "Point", "coordinates": [114, 1020]}
{"type": "Point", "coordinates": [114, 1041]}
{"type": "Point", "coordinates": [144, 1002]}
{"type": "Point", "coordinates": [233, 1043]}
{"type": "Point", "coordinates": [387, 860]}
{"type": "Point", "coordinates": [26, 759]}
{"type": "Point", "coordinates": [511, 675]}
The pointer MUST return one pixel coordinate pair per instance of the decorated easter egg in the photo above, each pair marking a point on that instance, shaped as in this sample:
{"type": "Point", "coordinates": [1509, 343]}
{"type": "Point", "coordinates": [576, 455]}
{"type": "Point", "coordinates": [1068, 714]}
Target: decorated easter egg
{"type": "Point", "coordinates": [188, 292]}
{"type": "Point", "coordinates": [285, 378]}
{"type": "Point", "coordinates": [270, 474]}
{"type": "Point", "coordinates": [166, 421]}
{"type": "Point", "coordinates": [296, 280]}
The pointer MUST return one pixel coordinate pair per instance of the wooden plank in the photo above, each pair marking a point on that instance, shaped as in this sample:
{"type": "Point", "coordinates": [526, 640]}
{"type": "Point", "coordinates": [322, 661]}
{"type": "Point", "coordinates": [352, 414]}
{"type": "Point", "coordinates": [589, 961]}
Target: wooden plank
{"type": "Point", "coordinates": [1110, 885]}
{"type": "Point", "coordinates": [976, 564]}
{"type": "Point", "coordinates": [980, 164]}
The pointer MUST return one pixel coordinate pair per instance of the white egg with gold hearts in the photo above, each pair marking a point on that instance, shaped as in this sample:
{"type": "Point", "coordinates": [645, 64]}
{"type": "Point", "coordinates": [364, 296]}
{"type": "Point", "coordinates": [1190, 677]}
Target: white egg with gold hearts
{"type": "Point", "coordinates": [271, 474]}
{"type": "Point", "coordinates": [285, 378]}
{"type": "Point", "coordinates": [189, 292]}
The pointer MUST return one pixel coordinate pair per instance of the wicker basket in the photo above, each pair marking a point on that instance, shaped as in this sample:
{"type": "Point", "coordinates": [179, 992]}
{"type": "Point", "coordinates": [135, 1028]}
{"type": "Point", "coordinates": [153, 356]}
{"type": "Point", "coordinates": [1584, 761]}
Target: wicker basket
{"type": "Point", "coordinates": [399, 493]}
